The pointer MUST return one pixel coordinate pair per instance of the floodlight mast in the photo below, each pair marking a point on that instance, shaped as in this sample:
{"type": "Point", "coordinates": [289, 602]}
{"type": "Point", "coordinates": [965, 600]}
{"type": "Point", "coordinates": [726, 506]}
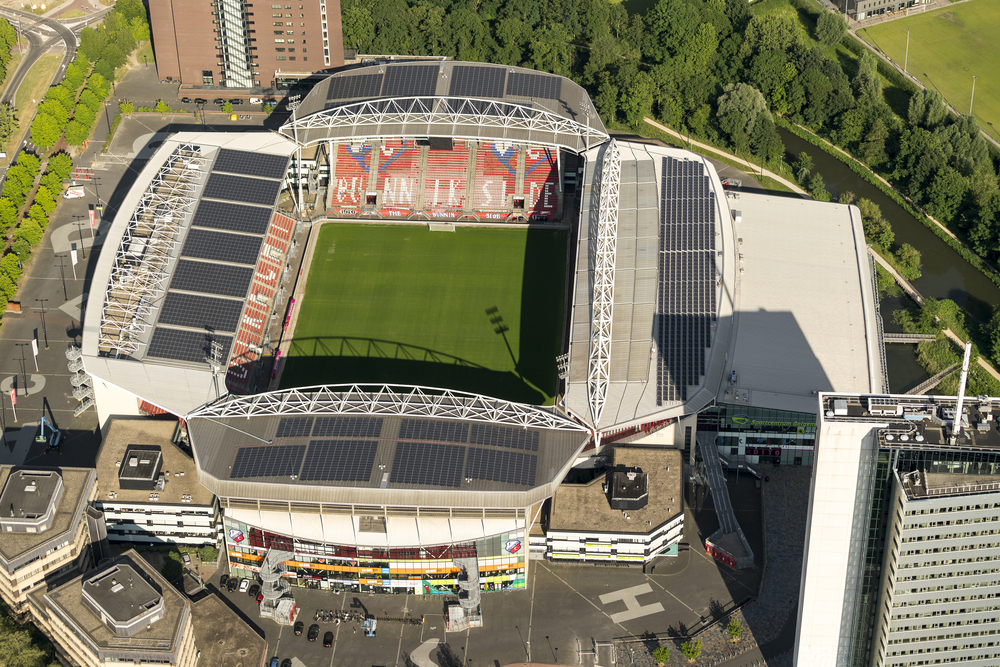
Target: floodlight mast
{"type": "Point", "coordinates": [956, 426]}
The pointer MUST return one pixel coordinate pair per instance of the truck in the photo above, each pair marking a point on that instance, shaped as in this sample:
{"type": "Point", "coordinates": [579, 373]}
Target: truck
{"type": "Point", "coordinates": [75, 192]}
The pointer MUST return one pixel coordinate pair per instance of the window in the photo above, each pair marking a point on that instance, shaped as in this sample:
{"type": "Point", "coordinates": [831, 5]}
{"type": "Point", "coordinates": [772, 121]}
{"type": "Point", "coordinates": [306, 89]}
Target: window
{"type": "Point", "coordinates": [289, 32]}
{"type": "Point", "coordinates": [275, 6]}
{"type": "Point", "coordinates": [279, 57]}
{"type": "Point", "coordinates": [279, 41]}
{"type": "Point", "coordinates": [291, 50]}
{"type": "Point", "coordinates": [291, 57]}
{"type": "Point", "coordinates": [277, 16]}
{"type": "Point", "coordinates": [279, 32]}
{"type": "Point", "coordinates": [289, 23]}
{"type": "Point", "coordinates": [278, 23]}
{"type": "Point", "coordinates": [279, 50]}
{"type": "Point", "coordinates": [207, 78]}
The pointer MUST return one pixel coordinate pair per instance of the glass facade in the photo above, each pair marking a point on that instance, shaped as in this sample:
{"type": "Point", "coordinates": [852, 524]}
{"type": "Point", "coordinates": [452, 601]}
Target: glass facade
{"type": "Point", "coordinates": [781, 437]}
{"type": "Point", "coordinates": [936, 460]}
{"type": "Point", "coordinates": [410, 570]}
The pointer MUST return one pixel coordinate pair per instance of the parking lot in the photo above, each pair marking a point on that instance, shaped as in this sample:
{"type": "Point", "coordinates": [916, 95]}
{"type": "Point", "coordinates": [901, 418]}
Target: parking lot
{"type": "Point", "coordinates": [565, 609]}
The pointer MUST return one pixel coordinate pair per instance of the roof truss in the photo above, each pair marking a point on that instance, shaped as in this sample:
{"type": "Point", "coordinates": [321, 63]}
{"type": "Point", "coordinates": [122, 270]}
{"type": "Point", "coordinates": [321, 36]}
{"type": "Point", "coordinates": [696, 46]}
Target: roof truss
{"type": "Point", "coordinates": [599, 367]}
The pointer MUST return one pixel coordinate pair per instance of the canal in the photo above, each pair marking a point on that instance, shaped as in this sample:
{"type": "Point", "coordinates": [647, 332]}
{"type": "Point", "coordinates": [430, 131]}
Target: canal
{"type": "Point", "coordinates": [945, 273]}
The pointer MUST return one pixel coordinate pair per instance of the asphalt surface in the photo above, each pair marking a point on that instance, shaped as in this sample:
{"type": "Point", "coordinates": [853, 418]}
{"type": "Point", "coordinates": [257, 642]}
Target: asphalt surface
{"type": "Point", "coordinates": [556, 620]}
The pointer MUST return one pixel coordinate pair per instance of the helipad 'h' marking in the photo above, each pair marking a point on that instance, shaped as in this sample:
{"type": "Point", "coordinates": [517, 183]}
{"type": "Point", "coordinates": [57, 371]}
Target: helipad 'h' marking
{"type": "Point", "coordinates": [633, 610]}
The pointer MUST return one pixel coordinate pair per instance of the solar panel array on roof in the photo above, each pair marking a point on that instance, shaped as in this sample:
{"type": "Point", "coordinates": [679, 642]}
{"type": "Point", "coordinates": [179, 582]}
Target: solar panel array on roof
{"type": "Point", "coordinates": [211, 278]}
{"type": "Point", "coordinates": [294, 427]}
{"type": "Point", "coordinates": [265, 165]}
{"type": "Point", "coordinates": [542, 86]}
{"type": "Point", "coordinates": [472, 81]}
{"type": "Point", "coordinates": [504, 436]}
{"type": "Point", "coordinates": [429, 429]}
{"type": "Point", "coordinates": [347, 427]}
{"type": "Point", "coordinates": [499, 466]}
{"type": "Point", "coordinates": [340, 460]}
{"type": "Point", "coordinates": [427, 463]}
{"type": "Point", "coordinates": [348, 87]}
{"type": "Point", "coordinates": [201, 312]}
{"type": "Point", "coordinates": [184, 345]}
{"type": "Point", "coordinates": [686, 309]}
{"type": "Point", "coordinates": [223, 247]}
{"type": "Point", "coordinates": [267, 461]}
{"type": "Point", "coordinates": [410, 80]}
{"type": "Point", "coordinates": [241, 189]}
{"type": "Point", "coordinates": [232, 217]}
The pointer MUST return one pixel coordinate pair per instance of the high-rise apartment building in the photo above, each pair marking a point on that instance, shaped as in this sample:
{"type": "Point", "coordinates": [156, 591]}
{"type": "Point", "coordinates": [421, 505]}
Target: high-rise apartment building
{"type": "Point", "coordinates": [902, 554]}
{"type": "Point", "coordinates": [245, 44]}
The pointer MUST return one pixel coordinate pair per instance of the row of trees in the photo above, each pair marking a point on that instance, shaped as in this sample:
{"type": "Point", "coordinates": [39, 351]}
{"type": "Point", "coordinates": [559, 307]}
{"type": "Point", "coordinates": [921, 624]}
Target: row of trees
{"type": "Point", "coordinates": [110, 44]}
{"type": "Point", "coordinates": [28, 226]}
{"type": "Point", "coordinates": [61, 111]}
{"type": "Point", "coordinates": [23, 645]}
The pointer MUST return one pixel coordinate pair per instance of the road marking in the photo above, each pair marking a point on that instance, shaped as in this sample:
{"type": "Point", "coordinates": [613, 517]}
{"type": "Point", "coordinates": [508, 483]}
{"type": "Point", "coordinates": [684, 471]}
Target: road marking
{"type": "Point", "coordinates": [421, 656]}
{"type": "Point", "coordinates": [633, 610]}
{"type": "Point", "coordinates": [36, 383]}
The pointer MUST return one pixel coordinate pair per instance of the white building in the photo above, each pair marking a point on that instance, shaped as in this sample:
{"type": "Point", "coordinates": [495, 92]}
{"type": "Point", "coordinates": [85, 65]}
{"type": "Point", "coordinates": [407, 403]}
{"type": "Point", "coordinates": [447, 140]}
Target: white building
{"type": "Point", "coordinates": [149, 487]}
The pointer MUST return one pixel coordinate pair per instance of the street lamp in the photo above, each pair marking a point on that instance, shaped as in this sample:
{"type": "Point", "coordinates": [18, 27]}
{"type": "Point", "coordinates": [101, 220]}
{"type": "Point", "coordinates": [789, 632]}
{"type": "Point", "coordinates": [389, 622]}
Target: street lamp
{"type": "Point", "coordinates": [973, 98]}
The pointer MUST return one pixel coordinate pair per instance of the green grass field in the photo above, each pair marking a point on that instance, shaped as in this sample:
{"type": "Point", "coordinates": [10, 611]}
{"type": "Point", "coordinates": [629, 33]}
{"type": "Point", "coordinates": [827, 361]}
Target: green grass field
{"type": "Point", "coordinates": [478, 310]}
{"type": "Point", "coordinates": [949, 46]}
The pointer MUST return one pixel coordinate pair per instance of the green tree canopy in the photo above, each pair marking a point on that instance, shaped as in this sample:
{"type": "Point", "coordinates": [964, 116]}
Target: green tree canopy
{"type": "Point", "coordinates": [927, 108]}
{"type": "Point", "coordinates": [53, 108]}
{"type": "Point", "coordinates": [76, 133]}
{"type": "Point", "coordinates": [61, 164]}
{"type": "Point", "coordinates": [830, 28]}
{"type": "Point", "coordinates": [739, 107]}
{"type": "Point", "coordinates": [37, 214]}
{"type": "Point", "coordinates": [45, 131]}
{"type": "Point", "coordinates": [45, 198]}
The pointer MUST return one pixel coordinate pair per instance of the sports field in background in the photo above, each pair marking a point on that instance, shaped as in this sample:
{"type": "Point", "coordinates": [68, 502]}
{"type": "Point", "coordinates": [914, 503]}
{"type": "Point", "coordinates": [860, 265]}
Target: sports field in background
{"type": "Point", "coordinates": [949, 46]}
{"type": "Point", "coordinates": [478, 310]}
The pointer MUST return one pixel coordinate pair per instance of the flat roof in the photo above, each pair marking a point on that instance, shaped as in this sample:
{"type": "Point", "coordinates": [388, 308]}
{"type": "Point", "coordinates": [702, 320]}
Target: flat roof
{"type": "Point", "coordinates": [469, 100]}
{"type": "Point", "coordinates": [143, 431]}
{"type": "Point", "coordinates": [220, 634]}
{"type": "Point", "coordinates": [77, 484]}
{"type": "Point", "coordinates": [805, 316]}
{"type": "Point", "coordinates": [674, 271]}
{"type": "Point", "coordinates": [140, 463]}
{"type": "Point", "coordinates": [164, 635]}
{"type": "Point", "coordinates": [178, 263]}
{"type": "Point", "coordinates": [383, 445]}
{"type": "Point", "coordinates": [28, 493]}
{"type": "Point", "coordinates": [582, 507]}
{"type": "Point", "coordinates": [120, 591]}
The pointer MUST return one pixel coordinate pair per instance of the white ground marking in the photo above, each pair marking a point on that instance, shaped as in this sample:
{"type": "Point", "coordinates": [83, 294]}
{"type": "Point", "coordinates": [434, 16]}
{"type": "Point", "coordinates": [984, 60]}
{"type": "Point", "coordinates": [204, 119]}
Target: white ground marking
{"type": "Point", "coordinates": [421, 656]}
{"type": "Point", "coordinates": [36, 382]}
{"type": "Point", "coordinates": [633, 610]}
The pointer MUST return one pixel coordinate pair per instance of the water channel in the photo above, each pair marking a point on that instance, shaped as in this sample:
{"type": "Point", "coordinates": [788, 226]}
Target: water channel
{"type": "Point", "coordinates": [946, 274]}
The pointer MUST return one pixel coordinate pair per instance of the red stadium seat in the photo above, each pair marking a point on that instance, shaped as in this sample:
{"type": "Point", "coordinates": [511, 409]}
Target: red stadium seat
{"type": "Point", "coordinates": [399, 173]}
{"type": "Point", "coordinates": [496, 176]}
{"type": "Point", "coordinates": [541, 174]}
{"type": "Point", "coordinates": [445, 182]}
{"type": "Point", "coordinates": [353, 164]}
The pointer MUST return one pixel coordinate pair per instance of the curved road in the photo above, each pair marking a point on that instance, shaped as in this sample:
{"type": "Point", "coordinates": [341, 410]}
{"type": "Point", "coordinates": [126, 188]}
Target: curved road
{"type": "Point", "coordinates": [35, 50]}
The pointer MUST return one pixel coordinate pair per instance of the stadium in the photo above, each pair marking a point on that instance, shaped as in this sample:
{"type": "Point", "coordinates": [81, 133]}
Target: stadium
{"type": "Point", "coordinates": [355, 417]}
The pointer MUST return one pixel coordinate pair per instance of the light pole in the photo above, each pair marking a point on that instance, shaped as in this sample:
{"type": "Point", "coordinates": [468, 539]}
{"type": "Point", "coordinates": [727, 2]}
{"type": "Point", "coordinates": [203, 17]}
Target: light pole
{"type": "Point", "coordinates": [41, 311]}
{"type": "Point", "coordinates": [973, 98]}
{"type": "Point", "coordinates": [906, 58]}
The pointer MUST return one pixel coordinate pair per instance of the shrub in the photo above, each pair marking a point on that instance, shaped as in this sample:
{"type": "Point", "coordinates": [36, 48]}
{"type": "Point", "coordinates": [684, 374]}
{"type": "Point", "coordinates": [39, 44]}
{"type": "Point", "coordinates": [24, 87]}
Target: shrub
{"type": "Point", "coordinates": [208, 553]}
{"type": "Point", "coordinates": [162, 107]}
{"type": "Point", "coordinates": [661, 654]}
{"type": "Point", "coordinates": [734, 629]}
{"type": "Point", "coordinates": [691, 650]}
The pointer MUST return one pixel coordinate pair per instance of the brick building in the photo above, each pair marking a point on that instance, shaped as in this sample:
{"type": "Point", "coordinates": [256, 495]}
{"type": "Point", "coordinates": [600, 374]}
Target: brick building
{"type": "Point", "coordinates": [245, 45]}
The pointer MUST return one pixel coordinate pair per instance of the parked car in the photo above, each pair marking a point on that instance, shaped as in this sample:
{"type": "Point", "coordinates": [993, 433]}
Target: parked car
{"type": "Point", "coordinates": [200, 100]}
{"type": "Point", "coordinates": [299, 625]}
{"type": "Point", "coordinates": [244, 585]}
{"type": "Point", "coordinates": [218, 100]}
{"type": "Point", "coordinates": [287, 662]}
{"type": "Point", "coordinates": [236, 101]}
{"type": "Point", "coordinates": [313, 632]}
{"type": "Point", "coordinates": [253, 590]}
{"type": "Point", "coordinates": [186, 558]}
{"type": "Point", "coordinates": [260, 598]}
{"type": "Point", "coordinates": [328, 639]}
{"type": "Point", "coordinates": [233, 584]}
{"type": "Point", "coordinates": [185, 100]}
{"type": "Point", "coordinates": [256, 100]}
{"type": "Point", "coordinates": [274, 662]}
{"type": "Point", "coordinates": [223, 580]}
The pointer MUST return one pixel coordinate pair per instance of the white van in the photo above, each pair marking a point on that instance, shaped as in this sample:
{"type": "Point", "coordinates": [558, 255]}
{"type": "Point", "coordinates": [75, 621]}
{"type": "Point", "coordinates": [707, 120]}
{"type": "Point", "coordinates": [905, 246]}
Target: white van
{"type": "Point", "coordinates": [256, 100]}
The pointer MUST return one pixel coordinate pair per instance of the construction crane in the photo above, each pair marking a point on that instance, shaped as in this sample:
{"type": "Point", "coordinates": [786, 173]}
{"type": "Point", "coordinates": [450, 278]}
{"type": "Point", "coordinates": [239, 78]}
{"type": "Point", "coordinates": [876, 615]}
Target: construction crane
{"type": "Point", "coordinates": [56, 435]}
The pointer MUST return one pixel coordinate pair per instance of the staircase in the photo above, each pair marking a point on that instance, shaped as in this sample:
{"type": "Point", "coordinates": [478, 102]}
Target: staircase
{"type": "Point", "coordinates": [275, 587]}
{"type": "Point", "coordinates": [468, 584]}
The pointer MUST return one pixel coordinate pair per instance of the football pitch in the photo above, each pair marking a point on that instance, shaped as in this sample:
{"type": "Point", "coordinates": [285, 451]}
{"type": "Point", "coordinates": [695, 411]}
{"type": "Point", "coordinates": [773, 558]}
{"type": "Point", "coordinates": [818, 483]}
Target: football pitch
{"type": "Point", "coordinates": [477, 310]}
{"type": "Point", "coordinates": [948, 47]}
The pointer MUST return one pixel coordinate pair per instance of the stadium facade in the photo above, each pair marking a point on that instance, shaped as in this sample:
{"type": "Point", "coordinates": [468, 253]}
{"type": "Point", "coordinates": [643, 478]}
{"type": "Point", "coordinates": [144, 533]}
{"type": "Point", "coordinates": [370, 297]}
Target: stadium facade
{"type": "Point", "coordinates": [682, 305]}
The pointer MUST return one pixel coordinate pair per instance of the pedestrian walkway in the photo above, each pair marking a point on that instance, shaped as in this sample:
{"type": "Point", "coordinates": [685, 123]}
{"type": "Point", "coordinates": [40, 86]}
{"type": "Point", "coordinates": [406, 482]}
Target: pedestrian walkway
{"type": "Point", "coordinates": [726, 154]}
{"type": "Point", "coordinates": [930, 383]}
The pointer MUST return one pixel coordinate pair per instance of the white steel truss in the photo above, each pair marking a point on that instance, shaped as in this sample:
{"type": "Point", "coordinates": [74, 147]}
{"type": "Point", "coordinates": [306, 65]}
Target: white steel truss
{"type": "Point", "coordinates": [399, 400]}
{"type": "Point", "coordinates": [599, 369]}
{"type": "Point", "coordinates": [139, 272]}
{"type": "Point", "coordinates": [452, 117]}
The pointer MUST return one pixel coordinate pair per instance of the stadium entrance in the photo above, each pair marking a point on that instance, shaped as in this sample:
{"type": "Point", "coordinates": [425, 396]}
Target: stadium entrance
{"type": "Point", "coordinates": [780, 437]}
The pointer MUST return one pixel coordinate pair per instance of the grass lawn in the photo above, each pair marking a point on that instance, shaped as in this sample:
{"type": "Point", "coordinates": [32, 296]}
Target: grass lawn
{"type": "Point", "coordinates": [29, 94]}
{"type": "Point", "coordinates": [948, 47]}
{"type": "Point", "coordinates": [478, 310]}
{"type": "Point", "coordinates": [15, 60]}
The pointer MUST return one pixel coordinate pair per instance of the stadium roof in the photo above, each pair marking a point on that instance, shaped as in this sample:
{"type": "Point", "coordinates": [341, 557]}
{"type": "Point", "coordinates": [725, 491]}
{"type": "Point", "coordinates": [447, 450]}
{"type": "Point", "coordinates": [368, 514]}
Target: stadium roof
{"type": "Point", "coordinates": [403, 446]}
{"type": "Point", "coordinates": [448, 99]}
{"type": "Point", "coordinates": [806, 318]}
{"type": "Point", "coordinates": [673, 272]}
{"type": "Point", "coordinates": [178, 265]}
